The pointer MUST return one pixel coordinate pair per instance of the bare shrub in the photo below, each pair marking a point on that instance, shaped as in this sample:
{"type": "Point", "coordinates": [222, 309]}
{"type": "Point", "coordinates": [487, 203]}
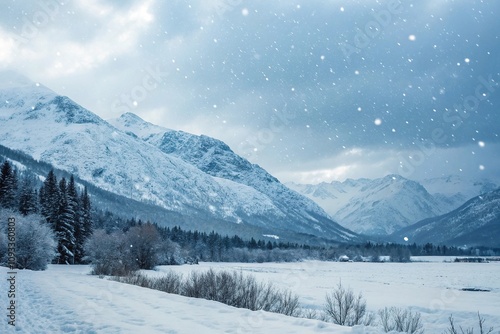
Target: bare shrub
{"type": "Point", "coordinates": [193, 286]}
{"type": "Point", "coordinates": [169, 283]}
{"type": "Point", "coordinates": [401, 320]}
{"type": "Point", "coordinates": [145, 245]}
{"type": "Point", "coordinates": [109, 254]}
{"type": "Point", "coordinates": [286, 303]}
{"type": "Point", "coordinates": [120, 254]}
{"type": "Point", "coordinates": [136, 279]}
{"type": "Point", "coordinates": [453, 330]}
{"type": "Point", "coordinates": [310, 313]}
{"type": "Point", "coordinates": [346, 309]}
{"type": "Point", "coordinates": [232, 289]}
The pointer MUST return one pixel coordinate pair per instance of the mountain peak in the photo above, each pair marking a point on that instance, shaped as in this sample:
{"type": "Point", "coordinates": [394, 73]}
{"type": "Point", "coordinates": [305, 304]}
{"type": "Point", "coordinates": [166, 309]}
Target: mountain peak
{"type": "Point", "coordinates": [377, 207]}
{"type": "Point", "coordinates": [132, 118]}
{"type": "Point", "coordinates": [134, 125]}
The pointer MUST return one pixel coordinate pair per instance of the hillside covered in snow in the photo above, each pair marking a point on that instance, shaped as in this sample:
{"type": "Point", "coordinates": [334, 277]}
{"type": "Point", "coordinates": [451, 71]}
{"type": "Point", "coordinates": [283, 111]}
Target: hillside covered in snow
{"type": "Point", "coordinates": [56, 130]}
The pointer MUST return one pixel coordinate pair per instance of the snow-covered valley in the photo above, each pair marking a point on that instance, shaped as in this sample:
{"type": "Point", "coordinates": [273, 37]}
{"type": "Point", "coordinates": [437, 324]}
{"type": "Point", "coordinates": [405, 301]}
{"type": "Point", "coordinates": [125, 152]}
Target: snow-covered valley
{"type": "Point", "coordinates": [65, 299]}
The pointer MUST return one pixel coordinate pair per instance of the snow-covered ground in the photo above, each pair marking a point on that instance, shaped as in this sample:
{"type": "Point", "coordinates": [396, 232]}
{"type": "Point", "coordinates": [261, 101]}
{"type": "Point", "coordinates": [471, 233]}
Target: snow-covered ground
{"type": "Point", "coordinates": [432, 287]}
{"type": "Point", "coordinates": [65, 299]}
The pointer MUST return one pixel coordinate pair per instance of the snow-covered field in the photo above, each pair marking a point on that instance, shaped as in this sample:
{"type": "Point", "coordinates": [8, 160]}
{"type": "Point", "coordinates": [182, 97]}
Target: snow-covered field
{"type": "Point", "coordinates": [65, 299]}
{"type": "Point", "coordinates": [432, 287]}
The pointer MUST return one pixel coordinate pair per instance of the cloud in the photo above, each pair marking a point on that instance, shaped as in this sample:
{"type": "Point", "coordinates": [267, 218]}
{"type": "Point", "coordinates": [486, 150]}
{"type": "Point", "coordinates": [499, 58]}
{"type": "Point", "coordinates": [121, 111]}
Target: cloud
{"type": "Point", "coordinates": [272, 78]}
{"type": "Point", "coordinates": [7, 47]}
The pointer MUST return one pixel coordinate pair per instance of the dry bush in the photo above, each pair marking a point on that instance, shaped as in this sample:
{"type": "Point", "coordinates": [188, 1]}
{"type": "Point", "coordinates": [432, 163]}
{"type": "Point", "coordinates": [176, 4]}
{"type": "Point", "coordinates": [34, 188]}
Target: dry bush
{"type": "Point", "coordinates": [230, 288]}
{"type": "Point", "coordinates": [453, 330]}
{"type": "Point", "coordinates": [397, 319]}
{"type": "Point", "coordinates": [344, 308]}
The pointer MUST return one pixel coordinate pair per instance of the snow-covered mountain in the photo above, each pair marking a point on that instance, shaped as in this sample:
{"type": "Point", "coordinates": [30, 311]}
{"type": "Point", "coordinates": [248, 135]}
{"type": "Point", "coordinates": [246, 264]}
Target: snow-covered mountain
{"type": "Point", "coordinates": [476, 223]}
{"type": "Point", "coordinates": [455, 190]}
{"type": "Point", "coordinates": [215, 158]}
{"type": "Point", "coordinates": [54, 129]}
{"type": "Point", "coordinates": [375, 207]}
{"type": "Point", "coordinates": [383, 206]}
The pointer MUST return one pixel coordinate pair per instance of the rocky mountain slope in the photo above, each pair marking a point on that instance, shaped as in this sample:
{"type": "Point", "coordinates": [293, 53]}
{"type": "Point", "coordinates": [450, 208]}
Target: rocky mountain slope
{"type": "Point", "coordinates": [56, 130]}
{"type": "Point", "coordinates": [475, 223]}
{"type": "Point", "coordinates": [215, 158]}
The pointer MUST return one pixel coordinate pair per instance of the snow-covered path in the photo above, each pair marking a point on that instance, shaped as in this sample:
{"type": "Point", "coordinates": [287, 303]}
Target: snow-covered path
{"type": "Point", "coordinates": [64, 299]}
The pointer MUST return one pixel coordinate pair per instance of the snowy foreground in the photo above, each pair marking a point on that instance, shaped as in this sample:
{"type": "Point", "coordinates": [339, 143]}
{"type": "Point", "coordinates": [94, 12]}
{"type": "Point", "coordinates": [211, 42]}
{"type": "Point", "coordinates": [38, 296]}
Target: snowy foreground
{"type": "Point", "coordinates": [65, 299]}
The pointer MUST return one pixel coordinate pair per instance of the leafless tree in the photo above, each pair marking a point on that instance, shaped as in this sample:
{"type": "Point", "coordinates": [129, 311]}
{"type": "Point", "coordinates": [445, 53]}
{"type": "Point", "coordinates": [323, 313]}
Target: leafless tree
{"type": "Point", "coordinates": [454, 330]}
{"type": "Point", "coordinates": [344, 308]}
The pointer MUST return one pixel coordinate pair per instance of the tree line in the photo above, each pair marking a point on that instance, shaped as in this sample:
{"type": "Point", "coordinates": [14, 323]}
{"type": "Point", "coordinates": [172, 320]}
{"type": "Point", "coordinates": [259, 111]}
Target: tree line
{"type": "Point", "coordinates": [121, 246]}
{"type": "Point", "coordinates": [85, 234]}
{"type": "Point", "coordinates": [64, 208]}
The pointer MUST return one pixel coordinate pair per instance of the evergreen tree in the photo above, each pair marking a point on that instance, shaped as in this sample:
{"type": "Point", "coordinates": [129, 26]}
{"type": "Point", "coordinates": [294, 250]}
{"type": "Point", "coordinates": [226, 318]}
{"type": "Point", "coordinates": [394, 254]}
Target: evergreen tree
{"type": "Point", "coordinates": [65, 229]}
{"type": "Point", "coordinates": [49, 200]}
{"type": "Point", "coordinates": [86, 215]}
{"type": "Point", "coordinates": [76, 210]}
{"type": "Point", "coordinates": [28, 197]}
{"type": "Point", "coordinates": [8, 186]}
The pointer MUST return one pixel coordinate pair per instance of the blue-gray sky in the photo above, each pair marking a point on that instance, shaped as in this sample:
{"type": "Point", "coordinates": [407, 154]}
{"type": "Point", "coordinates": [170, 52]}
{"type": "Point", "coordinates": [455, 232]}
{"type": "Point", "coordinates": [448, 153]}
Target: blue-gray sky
{"type": "Point", "coordinates": [310, 90]}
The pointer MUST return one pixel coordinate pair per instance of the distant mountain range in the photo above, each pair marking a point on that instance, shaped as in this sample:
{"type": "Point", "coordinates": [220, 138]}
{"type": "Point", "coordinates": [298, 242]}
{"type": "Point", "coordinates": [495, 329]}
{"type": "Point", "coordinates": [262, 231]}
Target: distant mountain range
{"type": "Point", "coordinates": [453, 190]}
{"type": "Point", "coordinates": [475, 223]}
{"type": "Point", "coordinates": [195, 177]}
{"type": "Point", "coordinates": [383, 206]}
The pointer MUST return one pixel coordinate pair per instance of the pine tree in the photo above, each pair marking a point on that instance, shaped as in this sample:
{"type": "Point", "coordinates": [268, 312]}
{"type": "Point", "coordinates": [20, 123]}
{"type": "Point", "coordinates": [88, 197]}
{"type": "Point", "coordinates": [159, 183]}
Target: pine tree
{"type": "Point", "coordinates": [75, 206]}
{"type": "Point", "coordinates": [8, 186]}
{"type": "Point", "coordinates": [49, 199]}
{"type": "Point", "coordinates": [65, 229]}
{"type": "Point", "coordinates": [86, 224]}
{"type": "Point", "coordinates": [28, 197]}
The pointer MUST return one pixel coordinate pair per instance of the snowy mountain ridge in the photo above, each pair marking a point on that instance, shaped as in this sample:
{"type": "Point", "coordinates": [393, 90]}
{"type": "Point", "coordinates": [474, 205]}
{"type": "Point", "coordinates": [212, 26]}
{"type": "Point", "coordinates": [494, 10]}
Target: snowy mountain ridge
{"type": "Point", "coordinates": [215, 158]}
{"type": "Point", "coordinates": [383, 206]}
{"type": "Point", "coordinates": [475, 223]}
{"type": "Point", "coordinates": [456, 190]}
{"type": "Point", "coordinates": [56, 130]}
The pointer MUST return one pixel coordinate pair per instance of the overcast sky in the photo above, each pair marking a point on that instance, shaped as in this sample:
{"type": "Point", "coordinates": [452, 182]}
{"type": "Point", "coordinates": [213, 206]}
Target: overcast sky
{"type": "Point", "coordinates": [310, 90]}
